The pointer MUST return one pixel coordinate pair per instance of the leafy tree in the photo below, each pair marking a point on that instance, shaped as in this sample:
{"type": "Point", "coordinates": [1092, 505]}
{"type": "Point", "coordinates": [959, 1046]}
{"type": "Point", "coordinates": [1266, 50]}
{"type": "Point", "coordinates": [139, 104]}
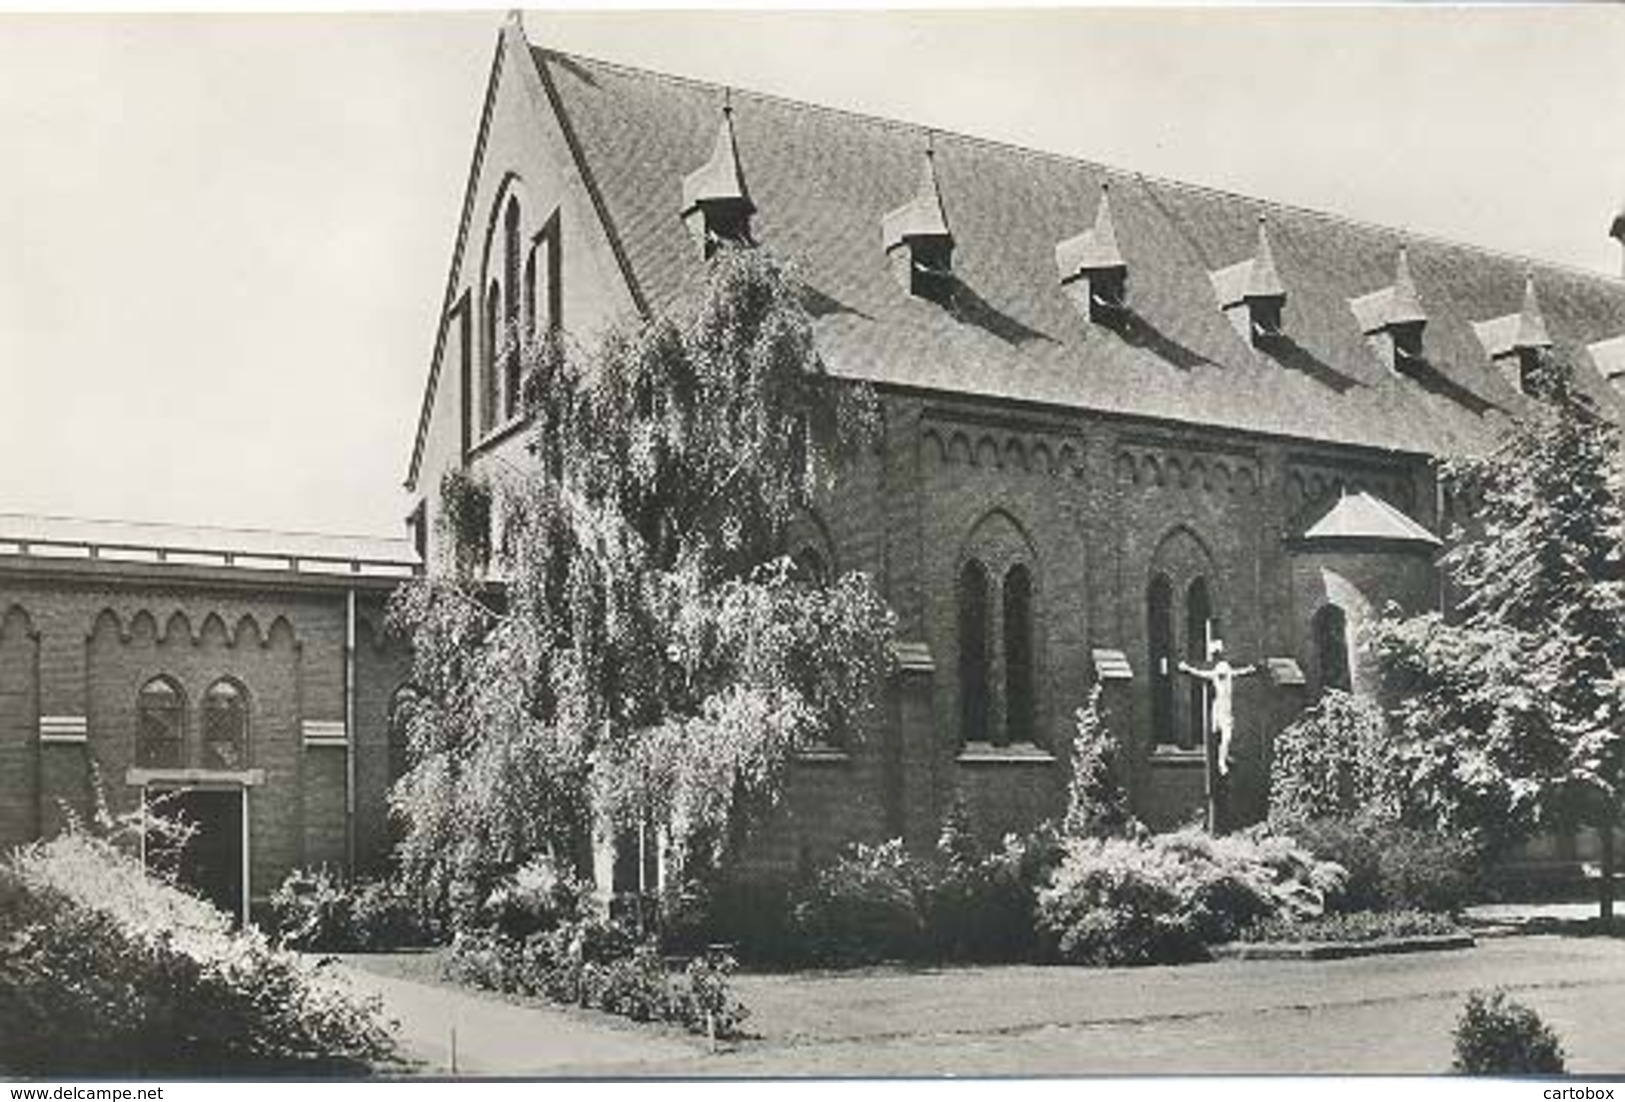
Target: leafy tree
{"type": "Point", "coordinates": [1511, 711]}
{"type": "Point", "coordinates": [648, 660]}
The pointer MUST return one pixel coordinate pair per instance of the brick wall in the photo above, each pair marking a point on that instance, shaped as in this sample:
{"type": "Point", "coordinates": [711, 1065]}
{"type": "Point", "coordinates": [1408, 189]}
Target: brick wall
{"type": "Point", "coordinates": [83, 643]}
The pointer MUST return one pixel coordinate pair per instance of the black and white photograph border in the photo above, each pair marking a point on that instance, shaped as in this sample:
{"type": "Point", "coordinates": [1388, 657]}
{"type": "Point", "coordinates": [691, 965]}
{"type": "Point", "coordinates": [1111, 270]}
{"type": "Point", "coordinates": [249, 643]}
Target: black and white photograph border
{"type": "Point", "coordinates": [762, 544]}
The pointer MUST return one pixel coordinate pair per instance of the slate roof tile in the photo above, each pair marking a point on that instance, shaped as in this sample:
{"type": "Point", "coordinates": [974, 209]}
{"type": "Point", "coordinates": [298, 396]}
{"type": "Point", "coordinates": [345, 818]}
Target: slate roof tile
{"type": "Point", "coordinates": [822, 180]}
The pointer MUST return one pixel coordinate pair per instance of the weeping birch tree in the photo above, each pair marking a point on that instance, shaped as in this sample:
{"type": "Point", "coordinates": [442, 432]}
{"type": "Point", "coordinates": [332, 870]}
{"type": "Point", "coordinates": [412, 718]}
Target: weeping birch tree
{"type": "Point", "coordinates": [649, 656]}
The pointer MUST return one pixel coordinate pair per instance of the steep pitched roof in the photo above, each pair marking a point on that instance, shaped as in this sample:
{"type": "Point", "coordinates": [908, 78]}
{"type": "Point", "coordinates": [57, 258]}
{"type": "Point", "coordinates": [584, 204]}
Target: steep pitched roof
{"type": "Point", "coordinates": [823, 179]}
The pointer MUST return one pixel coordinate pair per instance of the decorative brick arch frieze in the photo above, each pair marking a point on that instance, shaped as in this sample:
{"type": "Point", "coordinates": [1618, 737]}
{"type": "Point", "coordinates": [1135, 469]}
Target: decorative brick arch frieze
{"type": "Point", "coordinates": [1311, 483]}
{"type": "Point", "coordinates": [1157, 466]}
{"type": "Point", "coordinates": [143, 624]}
{"type": "Point", "coordinates": [1020, 451]}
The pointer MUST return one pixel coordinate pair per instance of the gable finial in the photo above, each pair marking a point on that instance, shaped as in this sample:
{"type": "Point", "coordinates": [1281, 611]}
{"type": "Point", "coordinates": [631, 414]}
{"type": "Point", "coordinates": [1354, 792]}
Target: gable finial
{"type": "Point", "coordinates": [516, 19]}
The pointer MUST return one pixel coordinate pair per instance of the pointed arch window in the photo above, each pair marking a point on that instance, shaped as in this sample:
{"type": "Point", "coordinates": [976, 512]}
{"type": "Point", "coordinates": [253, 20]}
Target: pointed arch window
{"type": "Point", "coordinates": [488, 373]}
{"type": "Point", "coordinates": [1019, 683]}
{"type": "Point", "coordinates": [1160, 631]}
{"type": "Point", "coordinates": [511, 300]}
{"type": "Point", "coordinates": [160, 725]}
{"type": "Point", "coordinates": [973, 652]}
{"type": "Point", "coordinates": [1332, 649]}
{"type": "Point", "coordinates": [1199, 634]}
{"type": "Point", "coordinates": [225, 726]}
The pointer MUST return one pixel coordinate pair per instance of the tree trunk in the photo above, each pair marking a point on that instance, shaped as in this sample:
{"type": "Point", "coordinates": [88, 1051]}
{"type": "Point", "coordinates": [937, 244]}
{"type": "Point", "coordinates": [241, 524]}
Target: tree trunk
{"type": "Point", "coordinates": [1606, 835]}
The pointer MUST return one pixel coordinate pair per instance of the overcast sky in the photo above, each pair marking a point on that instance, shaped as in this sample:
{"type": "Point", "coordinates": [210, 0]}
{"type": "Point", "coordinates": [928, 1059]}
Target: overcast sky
{"type": "Point", "coordinates": [223, 239]}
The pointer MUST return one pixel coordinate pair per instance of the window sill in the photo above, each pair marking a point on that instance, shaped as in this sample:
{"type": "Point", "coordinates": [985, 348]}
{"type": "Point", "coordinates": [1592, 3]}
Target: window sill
{"type": "Point", "coordinates": [827, 754]}
{"type": "Point", "coordinates": [985, 753]}
{"type": "Point", "coordinates": [246, 778]}
{"type": "Point", "coordinates": [498, 434]}
{"type": "Point", "coordinates": [1177, 755]}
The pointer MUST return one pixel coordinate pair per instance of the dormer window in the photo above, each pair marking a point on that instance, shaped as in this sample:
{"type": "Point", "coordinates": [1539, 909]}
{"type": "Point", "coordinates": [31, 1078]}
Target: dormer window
{"type": "Point", "coordinates": [1393, 320]}
{"type": "Point", "coordinates": [717, 207]}
{"type": "Point", "coordinates": [918, 242]}
{"type": "Point", "coordinates": [1092, 268]}
{"type": "Point", "coordinates": [1514, 342]}
{"type": "Point", "coordinates": [1251, 293]}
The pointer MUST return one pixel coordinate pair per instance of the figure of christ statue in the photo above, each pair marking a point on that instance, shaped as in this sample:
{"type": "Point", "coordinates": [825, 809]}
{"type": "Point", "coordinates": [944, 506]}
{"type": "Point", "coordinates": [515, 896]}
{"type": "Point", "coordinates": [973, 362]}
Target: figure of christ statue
{"type": "Point", "coordinates": [1221, 681]}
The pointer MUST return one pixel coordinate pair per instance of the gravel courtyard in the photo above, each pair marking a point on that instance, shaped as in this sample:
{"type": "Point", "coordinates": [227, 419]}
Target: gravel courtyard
{"type": "Point", "coordinates": [1376, 1015]}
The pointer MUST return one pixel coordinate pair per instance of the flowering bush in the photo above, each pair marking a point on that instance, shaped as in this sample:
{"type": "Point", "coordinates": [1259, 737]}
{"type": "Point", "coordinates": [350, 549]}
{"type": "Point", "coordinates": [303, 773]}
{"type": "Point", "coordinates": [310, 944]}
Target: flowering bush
{"type": "Point", "coordinates": [319, 911]}
{"type": "Point", "coordinates": [1354, 926]}
{"type": "Point", "coordinates": [1336, 759]}
{"type": "Point", "coordinates": [864, 907]}
{"type": "Point", "coordinates": [1165, 898]}
{"type": "Point", "coordinates": [601, 965]}
{"type": "Point", "coordinates": [105, 970]}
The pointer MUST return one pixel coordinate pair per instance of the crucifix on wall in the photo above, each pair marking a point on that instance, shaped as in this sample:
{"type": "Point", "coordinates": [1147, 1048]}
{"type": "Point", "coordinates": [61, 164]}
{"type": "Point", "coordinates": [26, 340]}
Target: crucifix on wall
{"type": "Point", "coordinates": [1218, 684]}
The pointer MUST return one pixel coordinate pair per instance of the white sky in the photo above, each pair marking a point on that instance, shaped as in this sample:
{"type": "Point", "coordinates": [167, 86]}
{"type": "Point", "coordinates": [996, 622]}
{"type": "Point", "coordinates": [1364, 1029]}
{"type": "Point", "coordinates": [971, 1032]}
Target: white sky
{"type": "Point", "coordinates": [223, 239]}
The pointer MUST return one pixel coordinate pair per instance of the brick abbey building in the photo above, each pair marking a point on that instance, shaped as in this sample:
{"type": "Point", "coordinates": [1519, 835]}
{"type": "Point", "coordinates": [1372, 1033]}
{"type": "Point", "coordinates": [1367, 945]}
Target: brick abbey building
{"type": "Point", "coordinates": [1123, 417]}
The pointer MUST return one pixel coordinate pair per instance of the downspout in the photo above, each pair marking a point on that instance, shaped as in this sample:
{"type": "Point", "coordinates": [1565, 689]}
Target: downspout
{"type": "Point", "coordinates": [349, 731]}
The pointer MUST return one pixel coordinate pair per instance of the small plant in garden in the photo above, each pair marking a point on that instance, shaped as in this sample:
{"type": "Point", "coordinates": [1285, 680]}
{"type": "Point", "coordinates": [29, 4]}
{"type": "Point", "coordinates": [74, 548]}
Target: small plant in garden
{"type": "Point", "coordinates": [1097, 803]}
{"type": "Point", "coordinates": [1496, 1036]}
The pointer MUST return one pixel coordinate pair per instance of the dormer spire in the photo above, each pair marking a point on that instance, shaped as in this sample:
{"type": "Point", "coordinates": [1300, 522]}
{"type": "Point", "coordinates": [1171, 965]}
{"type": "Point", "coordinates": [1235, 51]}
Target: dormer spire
{"type": "Point", "coordinates": [1263, 282]}
{"type": "Point", "coordinates": [1531, 335]}
{"type": "Point", "coordinates": [1404, 304]}
{"type": "Point", "coordinates": [716, 200]}
{"type": "Point", "coordinates": [1250, 292]}
{"type": "Point", "coordinates": [1393, 318]}
{"type": "Point", "coordinates": [917, 238]}
{"type": "Point", "coordinates": [923, 216]}
{"type": "Point", "coordinates": [1093, 261]}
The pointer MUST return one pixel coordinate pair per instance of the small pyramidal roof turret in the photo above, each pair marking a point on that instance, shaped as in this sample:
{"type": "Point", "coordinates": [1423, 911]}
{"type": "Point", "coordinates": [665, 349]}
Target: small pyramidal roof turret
{"type": "Point", "coordinates": [922, 216]}
{"type": "Point", "coordinates": [1263, 281]}
{"type": "Point", "coordinates": [1394, 306]}
{"type": "Point", "coordinates": [1252, 280]}
{"type": "Point", "coordinates": [1404, 306]}
{"type": "Point", "coordinates": [1093, 250]}
{"type": "Point", "coordinates": [1524, 331]}
{"type": "Point", "coordinates": [1531, 325]}
{"type": "Point", "coordinates": [720, 179]}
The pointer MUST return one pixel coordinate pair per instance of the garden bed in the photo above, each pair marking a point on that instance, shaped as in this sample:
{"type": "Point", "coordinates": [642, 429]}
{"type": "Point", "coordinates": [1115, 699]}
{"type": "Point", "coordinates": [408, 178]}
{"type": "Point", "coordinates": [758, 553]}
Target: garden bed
{"type": "Point", "coordinates": [1339, 950]}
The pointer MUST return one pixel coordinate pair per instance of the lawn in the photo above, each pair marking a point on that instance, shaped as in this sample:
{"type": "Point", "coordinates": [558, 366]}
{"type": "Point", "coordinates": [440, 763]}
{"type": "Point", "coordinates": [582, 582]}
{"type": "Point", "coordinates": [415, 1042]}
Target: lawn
{"type": "Point", "coordinates": [1375, 1015]}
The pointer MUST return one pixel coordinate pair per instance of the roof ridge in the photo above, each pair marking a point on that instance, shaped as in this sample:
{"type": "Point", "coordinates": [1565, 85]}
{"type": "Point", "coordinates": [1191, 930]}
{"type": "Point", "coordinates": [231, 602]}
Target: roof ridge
{"type": "Point", "coordinates": [1407, 233]}
{"type": "Point", "coordinates": [221, 528]}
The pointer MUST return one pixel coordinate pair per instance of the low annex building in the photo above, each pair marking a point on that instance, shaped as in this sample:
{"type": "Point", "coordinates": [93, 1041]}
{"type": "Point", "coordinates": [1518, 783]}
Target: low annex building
{"type": "Point", "coordinates": [242, 679]}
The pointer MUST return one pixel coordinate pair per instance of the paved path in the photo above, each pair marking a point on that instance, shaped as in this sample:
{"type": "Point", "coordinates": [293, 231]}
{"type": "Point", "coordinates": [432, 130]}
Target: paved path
{"type": "Point", "coordinates": [1375, 1015]}
{"type": "Point", "coordinates": [494, 1037]}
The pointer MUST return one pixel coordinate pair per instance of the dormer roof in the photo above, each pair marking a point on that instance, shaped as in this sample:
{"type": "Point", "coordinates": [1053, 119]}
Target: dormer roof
{"type": "Point", "coordinates": [1094, 249]}
{"type": "Point", "coordinates": [1252, 279]}
{"type": "Point", "coordinates": [1609, 358]}
{"type": "Point", "coordinates": [720, 179]}
{"type": "Point", "coordinates": [1524, 331]}
{"type": "Point", "coordinates": [1361, 517]}
{"type": "Point", "coordinates": [922, 216]}
{"type": "Point", "coordinates": [1394, 305]}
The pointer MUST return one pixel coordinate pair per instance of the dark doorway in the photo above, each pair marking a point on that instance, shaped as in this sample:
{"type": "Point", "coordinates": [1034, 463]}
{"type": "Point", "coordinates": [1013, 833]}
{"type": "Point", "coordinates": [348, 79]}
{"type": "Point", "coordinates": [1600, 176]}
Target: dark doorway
{"type": "Point", "coordinates": [211, 863]}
